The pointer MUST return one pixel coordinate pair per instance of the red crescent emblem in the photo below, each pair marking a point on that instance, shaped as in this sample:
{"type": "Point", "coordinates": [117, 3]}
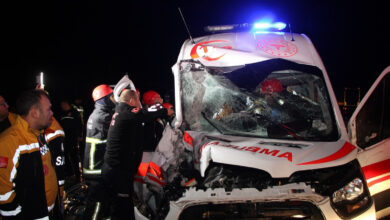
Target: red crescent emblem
{"type": "Point", "coordinates": [204, 49]}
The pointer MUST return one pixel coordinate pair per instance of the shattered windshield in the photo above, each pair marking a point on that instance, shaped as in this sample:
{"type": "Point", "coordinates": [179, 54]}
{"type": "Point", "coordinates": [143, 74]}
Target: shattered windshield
{"type": "Point", "coordinates": [270, 99]}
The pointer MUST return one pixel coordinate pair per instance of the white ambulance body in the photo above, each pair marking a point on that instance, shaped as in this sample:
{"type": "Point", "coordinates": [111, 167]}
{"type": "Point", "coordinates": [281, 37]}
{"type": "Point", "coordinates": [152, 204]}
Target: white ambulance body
{"type": "Point", "coordinates": [260, 121]}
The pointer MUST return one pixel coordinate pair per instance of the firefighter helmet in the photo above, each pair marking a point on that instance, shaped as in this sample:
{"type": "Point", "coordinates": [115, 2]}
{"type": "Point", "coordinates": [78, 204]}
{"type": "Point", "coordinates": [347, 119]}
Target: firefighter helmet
{"type": "Point", "coordinates": [271, 85]}
{"type": "Point", "coordinates": [101, 91]}
{"type": "Point", "coordinates": [149, 96]}
{"type": "Point", "coordinates": [167, 105]}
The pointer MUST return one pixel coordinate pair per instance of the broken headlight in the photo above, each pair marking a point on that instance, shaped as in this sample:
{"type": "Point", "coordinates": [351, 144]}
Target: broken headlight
{"type": "Point", "coordinates": [352, 198]}
{"type": "Point", "coordinates": [344, 185]}
{"type": "Point", "coordinates": [349, 192]}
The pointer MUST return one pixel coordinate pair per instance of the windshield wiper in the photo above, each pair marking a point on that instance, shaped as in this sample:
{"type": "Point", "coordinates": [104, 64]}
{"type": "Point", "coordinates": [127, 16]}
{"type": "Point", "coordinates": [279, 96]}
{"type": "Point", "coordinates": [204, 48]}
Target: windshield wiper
{"type": "Point", "coordinates": [211, 123]}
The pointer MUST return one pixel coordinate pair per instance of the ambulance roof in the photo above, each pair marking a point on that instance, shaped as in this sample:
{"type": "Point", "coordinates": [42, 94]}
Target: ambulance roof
{"type": "Point", "coordinates": [239, 48]}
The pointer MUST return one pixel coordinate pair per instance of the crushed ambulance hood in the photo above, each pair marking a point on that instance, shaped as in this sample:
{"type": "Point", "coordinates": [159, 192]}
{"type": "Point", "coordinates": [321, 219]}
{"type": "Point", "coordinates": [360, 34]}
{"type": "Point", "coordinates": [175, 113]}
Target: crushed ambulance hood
{"type": "Point", "coordinates": [279, 158]}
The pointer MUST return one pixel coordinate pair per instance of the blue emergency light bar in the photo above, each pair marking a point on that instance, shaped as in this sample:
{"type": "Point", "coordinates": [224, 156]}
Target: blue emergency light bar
{"type": "Point", "coordinates": [256, 27]}
{"type": "Point", "coordinates": [267, 26]}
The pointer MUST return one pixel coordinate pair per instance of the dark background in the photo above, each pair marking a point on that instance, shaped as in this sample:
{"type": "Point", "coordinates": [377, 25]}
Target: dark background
{"type": "Point", "coordinates": [81, 44]}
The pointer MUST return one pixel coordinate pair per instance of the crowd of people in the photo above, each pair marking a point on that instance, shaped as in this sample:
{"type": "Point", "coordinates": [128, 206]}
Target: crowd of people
{"type": "Point", "coordinates": [41, 154]}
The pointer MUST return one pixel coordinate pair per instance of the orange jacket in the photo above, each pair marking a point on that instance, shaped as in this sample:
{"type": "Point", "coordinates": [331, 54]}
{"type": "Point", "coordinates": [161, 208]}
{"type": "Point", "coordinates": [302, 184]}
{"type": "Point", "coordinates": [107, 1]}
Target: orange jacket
{"type": "Point", "coordinates": [12, 118]}
{"type": "Point", "coordinates": [28, 182]}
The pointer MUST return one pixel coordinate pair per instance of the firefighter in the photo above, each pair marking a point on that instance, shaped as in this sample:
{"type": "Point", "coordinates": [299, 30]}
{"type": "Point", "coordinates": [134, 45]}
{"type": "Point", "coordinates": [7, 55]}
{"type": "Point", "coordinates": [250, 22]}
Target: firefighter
{"type": "Point", "coordinates": [170, 107]}
{"type": "Point", "coordinates": [6, 118]}
{"type": "Point", "coordinates": [55, 138]}
{"type": "Point", "coordinates": [124, 151]}
{"type": "Point", "coordinates": [154, 129]}
{"type": "Point", "coordinates": [286, 110]}
{"type": "Point", "coordinates": [28, 182]}
{"type": "Point", "coordinates": [96, 138]}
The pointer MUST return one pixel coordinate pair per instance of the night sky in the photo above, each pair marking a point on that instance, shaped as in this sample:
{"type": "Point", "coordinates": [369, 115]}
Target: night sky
{"type": "Point", "coordinates": [81, 44]}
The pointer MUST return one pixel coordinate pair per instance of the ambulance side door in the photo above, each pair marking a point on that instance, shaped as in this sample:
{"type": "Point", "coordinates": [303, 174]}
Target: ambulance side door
{"type": "Point", "coordinates": [369, 128]}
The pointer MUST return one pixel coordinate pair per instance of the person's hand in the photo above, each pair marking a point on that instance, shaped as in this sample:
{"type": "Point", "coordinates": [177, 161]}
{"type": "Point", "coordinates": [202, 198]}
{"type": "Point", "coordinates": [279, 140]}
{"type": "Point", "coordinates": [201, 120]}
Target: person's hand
{"type": "Point", "coordinates": [39, 86]}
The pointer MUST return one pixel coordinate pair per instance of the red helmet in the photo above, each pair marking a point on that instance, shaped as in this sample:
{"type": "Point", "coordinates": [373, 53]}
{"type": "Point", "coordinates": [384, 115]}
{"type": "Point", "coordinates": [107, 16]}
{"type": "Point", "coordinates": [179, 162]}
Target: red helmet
{"type": "Point", "coordinates": [101, 91]}
{"type": "Point", "coordinates": [149, 96]}
{"type": "Point", "coordinates": [167, 105]}
{"type": "Point", "coordinates": [271, 85]}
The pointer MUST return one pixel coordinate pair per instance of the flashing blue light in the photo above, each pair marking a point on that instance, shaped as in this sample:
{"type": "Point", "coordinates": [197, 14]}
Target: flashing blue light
{"type": "Point", "coordinates": [269, 26]}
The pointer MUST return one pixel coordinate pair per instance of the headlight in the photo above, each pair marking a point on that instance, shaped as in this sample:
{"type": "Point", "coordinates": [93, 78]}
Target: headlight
{"type": "Point", "coordinates": [349, 192]}
{"type": "Point", "coordinates": [344, 185]}
{"type": "Point", "coordinates": [351, 199]}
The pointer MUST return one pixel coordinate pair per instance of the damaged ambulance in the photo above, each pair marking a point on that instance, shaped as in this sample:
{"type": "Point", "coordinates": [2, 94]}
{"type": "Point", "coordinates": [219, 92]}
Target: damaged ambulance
{"type": "Point", "coordinates": [258, 134]}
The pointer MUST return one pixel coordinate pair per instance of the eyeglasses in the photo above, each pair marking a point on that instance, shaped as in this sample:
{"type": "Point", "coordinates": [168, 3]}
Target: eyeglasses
{"type": "Point", "coordinates": [4, 104]}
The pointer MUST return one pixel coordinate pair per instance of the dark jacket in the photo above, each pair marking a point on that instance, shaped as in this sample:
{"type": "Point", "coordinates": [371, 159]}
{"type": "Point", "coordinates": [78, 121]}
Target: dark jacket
{"type": "Point", "coordinates": [153, 134]}
{"type": "Point", "coordinates": [126, 136]}
{"type": "Point", "coordinates": [72, 125]}
{"type": "Point", "coordinates": [96, 138]}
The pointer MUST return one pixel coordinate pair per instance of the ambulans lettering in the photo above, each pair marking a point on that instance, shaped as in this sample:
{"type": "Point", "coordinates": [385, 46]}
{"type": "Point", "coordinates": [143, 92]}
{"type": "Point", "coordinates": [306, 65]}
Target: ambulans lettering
{"type": "Point", "coordinates": [207, 52]}
{"type": "Point", "coordinates": [272, 153]}
{"type": "Point", "coordinates": [254, 149]}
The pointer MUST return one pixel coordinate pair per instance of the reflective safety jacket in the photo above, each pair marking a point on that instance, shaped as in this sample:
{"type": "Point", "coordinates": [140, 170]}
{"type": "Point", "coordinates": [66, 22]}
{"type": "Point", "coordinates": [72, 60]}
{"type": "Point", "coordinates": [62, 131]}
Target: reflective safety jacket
{"type": "Point", "coordinates": [55, 140]}
{"type": "Point", "coordinates": [28, 182]}
{"type": "Point", "coordinates": [96, 139]}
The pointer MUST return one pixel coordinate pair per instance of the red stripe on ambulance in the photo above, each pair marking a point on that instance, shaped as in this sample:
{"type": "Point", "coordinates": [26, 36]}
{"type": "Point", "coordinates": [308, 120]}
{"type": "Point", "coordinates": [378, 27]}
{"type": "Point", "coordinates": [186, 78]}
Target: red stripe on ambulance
{"type": "Point", "coordinates": [345, 150]}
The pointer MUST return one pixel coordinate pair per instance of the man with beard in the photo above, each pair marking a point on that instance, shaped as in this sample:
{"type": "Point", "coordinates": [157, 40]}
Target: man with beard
{"type": "Point", "coordinates": [28, 182]}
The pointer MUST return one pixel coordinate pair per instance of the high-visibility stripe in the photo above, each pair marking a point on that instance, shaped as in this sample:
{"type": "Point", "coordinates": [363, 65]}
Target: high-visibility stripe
{"type": "Point", "coordinates": [49, 208]}
{"type": "Point", "coordinates": [6, 196]}
{"type": "Point", "coordinates": [93, 142]}
{"type": "Point", "coordinates": [12, 212]}
{"type": "Point", "coordinates": [51, 135]}
{"type": "Point", "coordinates": [87, 171]}
{"type": "Point", "coordinates": [96, 212]}
{"type": "Point", "coordinates": [92, 156]}
{"type": "Point", "coordinates": [15, 159]}
{"type": "Point", "coordinates": [44, 218]}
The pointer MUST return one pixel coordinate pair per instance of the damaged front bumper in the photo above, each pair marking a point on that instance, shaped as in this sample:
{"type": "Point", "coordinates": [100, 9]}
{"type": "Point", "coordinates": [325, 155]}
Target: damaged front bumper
{"type": "Point", "coordinates": [290, 201]}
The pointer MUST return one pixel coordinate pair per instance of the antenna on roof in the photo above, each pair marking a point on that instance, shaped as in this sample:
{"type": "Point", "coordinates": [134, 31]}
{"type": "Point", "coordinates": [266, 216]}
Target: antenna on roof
{"type": "Point", "coordinates": [185, 24]}
{"type": "Point", "coordinates": [292, 36]}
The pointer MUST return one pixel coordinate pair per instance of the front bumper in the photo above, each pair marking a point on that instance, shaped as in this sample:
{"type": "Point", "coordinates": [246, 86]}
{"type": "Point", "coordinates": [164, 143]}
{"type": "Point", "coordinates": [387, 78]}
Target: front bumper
{"type": "Point", "coordinates": [290, 201]}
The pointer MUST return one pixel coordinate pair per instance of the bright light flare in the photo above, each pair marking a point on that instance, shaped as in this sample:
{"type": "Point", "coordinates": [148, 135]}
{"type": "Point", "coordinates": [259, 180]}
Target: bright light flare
{"type": "Point", "coordinates": [269, 26]}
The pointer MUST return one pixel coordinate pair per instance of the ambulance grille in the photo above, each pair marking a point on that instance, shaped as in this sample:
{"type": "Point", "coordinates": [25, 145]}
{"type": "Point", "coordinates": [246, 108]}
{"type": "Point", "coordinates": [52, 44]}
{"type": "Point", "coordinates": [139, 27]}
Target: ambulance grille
{"type": "Point", "coordinates": [258, 211]}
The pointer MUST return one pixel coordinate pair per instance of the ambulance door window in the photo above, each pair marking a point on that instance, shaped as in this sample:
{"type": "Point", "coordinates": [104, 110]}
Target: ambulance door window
{"type": "Point", "coordinates": [373, 120]}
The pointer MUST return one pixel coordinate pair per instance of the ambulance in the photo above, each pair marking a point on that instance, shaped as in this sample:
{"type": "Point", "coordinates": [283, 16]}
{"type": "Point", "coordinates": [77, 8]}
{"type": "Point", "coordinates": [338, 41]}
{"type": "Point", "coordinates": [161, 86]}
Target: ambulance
{"type": "Point", "coordinates": [258, 134]}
